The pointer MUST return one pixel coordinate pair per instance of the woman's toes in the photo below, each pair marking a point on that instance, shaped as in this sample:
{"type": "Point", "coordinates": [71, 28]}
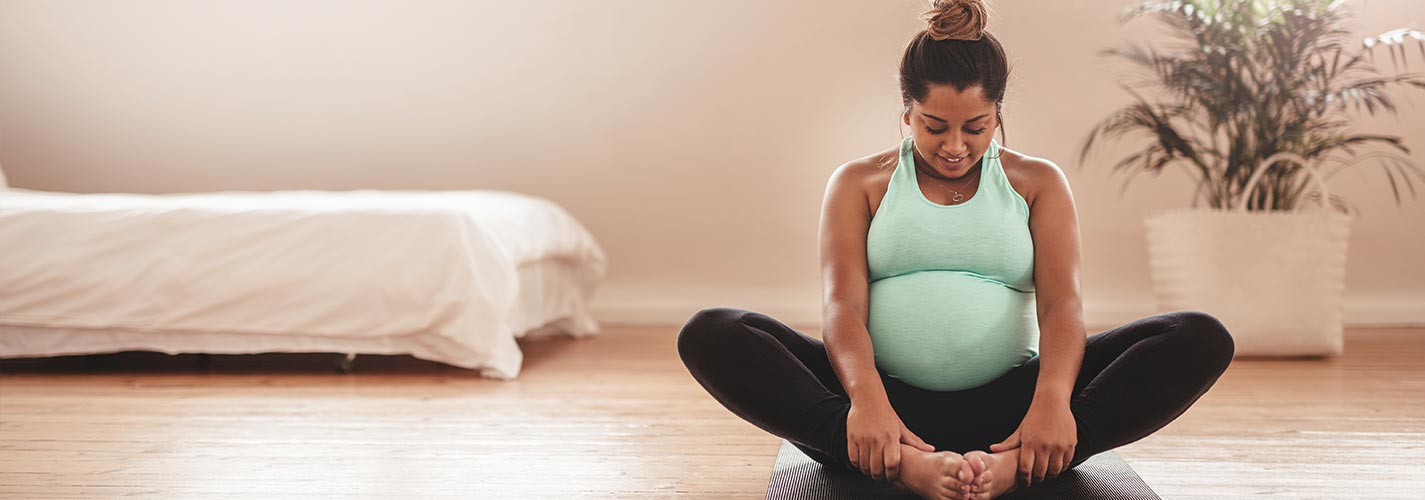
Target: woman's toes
{"type": "Point", "coordinates": [958, 489]}
{"type": "Point", "coordinates": [951, 490]}
{"type": "Point", "coordinates": [977, 463]}
{"type": "Point", "coordinates": [959, 472]}
{"type": "Point", "coordinates": [985, 481]}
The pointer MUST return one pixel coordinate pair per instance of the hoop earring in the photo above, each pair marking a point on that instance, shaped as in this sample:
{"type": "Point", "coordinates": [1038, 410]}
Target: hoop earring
{"type": "Point", "coordinates": [900, 125]}
{"type": "Point", "coordinates": [999, 122]}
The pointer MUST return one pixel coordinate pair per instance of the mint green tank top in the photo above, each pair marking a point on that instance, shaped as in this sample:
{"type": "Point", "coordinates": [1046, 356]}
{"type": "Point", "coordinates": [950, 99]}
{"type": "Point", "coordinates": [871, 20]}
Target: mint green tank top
{"type": "Point", "coordinates": [951, 286]}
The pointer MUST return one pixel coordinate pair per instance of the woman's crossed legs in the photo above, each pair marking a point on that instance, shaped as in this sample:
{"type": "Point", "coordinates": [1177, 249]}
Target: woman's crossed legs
{"type": "Point", "coordinates": [1134, 380]}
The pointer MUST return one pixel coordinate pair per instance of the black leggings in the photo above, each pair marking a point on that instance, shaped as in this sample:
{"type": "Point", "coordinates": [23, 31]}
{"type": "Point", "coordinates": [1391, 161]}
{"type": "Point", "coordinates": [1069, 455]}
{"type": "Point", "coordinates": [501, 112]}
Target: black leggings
{"type": "Point", "coordinates": [1134, 380]}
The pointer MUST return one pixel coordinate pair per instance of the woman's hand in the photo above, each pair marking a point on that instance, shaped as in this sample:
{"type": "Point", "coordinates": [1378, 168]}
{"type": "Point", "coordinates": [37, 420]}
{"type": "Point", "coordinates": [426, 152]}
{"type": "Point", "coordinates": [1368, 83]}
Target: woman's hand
{"type": "Point", "coordinates": [1046, 439]}
{"type": "Point", "coordinates": [874, 434]}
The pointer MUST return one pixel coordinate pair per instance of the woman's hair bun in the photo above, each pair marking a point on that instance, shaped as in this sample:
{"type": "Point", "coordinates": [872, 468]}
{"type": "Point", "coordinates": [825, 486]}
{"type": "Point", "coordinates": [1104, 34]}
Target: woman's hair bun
{"type": "Point", "coordinates": [956, 19]}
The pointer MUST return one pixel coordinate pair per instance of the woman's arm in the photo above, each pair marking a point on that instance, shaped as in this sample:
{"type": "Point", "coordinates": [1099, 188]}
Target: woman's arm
{"type": "Point", "coordinates": [1054, 226]}
{"type": "Point", "coordinates": [845, 218]}
{"type": "Point", "coordinates": [874, 433]}
{"type": "Point", "coordinates": [1048, 434]}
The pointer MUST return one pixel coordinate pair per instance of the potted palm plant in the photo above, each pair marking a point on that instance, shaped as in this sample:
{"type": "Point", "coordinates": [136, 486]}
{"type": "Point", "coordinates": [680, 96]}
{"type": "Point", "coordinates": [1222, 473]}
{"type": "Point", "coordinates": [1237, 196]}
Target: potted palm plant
{"type": "Point", "coordinates": [1254, 106]}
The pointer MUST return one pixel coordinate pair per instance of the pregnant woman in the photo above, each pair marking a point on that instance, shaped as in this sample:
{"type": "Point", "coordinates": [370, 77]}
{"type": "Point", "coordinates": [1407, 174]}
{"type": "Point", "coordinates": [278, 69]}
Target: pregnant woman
{"type": "Point", "coordinates": [955, 362]}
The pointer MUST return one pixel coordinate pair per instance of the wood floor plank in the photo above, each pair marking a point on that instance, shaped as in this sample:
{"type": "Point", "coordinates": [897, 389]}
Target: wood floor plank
{"type": "Point", "coordinates": [617, 416]}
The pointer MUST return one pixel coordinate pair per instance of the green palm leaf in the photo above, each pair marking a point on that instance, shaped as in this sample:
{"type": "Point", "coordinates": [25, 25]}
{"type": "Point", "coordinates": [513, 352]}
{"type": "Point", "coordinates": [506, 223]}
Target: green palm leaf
{"type": "Point", "coordinates": [1250, 79]}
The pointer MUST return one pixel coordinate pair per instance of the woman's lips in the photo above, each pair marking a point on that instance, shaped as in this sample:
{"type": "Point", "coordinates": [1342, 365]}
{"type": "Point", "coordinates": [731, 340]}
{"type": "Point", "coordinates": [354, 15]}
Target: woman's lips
{"type": "Point", "coordinates": [953, 163]}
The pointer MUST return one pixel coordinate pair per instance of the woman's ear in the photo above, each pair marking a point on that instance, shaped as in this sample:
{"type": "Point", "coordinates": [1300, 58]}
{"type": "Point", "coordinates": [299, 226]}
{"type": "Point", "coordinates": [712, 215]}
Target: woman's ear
{"type": "Point", "coordinates": [905, 115]}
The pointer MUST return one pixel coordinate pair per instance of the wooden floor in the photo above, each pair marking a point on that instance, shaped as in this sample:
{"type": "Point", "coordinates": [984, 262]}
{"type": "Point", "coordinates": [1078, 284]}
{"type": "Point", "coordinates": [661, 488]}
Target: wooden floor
{"type": "Point", "coordinates": [617, 417]}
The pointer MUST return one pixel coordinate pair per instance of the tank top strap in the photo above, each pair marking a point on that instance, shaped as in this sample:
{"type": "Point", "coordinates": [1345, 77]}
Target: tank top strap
{"type": "Point", "coordinates": [993, 171]}
{"type": "Point", "coordinates": [904, 174]}
{"type": "Point", "coordinates": [1004, 191]}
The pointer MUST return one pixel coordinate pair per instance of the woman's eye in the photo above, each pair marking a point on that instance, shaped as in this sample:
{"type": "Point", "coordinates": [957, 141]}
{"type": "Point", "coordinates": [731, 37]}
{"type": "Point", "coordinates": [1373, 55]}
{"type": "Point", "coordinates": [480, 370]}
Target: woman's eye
{"type": "Point", "coordinates": [942, 130]}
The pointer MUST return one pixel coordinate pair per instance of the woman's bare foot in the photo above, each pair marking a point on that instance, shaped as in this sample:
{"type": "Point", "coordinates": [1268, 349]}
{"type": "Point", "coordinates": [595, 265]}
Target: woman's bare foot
{"type": "Point", "coordinates": [996, 473]}
{"type": "Point", "coordinates": [942, 475]}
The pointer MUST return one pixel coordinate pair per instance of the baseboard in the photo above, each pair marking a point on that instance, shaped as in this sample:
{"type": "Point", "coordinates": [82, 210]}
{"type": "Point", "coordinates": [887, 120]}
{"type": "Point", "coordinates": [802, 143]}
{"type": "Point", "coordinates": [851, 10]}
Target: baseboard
{"type": "Point", "coordinates": [1391, 312]}
{"type": "Point", "coordinates": [673, 311]}
{"type": "Point", "coordinates": [803, 311]}
{"type": "Point", "coordinates": [1388, 312]}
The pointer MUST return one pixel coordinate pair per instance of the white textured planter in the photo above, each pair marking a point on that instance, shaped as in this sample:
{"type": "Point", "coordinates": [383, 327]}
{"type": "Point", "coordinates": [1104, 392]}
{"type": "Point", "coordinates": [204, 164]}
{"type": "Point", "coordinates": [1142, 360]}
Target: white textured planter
{"type": "Point", "coordinates": [1274, 279]}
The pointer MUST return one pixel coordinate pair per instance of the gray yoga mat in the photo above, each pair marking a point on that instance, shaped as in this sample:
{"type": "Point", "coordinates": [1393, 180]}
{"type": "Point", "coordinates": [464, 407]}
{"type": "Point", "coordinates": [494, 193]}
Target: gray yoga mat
{"type": "Point", "coordinates": [1103, 477]}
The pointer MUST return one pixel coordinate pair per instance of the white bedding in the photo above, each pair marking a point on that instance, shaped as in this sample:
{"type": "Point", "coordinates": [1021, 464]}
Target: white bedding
{"type": "Point", "coordinates": [434, 274]}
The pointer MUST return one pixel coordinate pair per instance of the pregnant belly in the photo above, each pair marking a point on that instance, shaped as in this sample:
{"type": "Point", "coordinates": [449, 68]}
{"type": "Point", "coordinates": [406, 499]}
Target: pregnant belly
{"type": "Point", "coordinates": [950, 331]}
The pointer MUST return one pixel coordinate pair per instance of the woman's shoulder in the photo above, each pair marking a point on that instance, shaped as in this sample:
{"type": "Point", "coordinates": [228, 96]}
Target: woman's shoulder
{"type": "Point", "coordinates": [870, 165]}
{"type": "Point", "coordinates": [871, 175]}
{"type": "Point", "coordinates": [866, 171]}
{"type": "Point", "coordinates": [1027, 174]}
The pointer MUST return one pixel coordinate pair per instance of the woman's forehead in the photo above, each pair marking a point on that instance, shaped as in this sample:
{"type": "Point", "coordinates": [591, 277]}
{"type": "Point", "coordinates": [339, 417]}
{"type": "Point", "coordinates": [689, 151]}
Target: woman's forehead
{"type": "Point", "coordinates": [943, 101]}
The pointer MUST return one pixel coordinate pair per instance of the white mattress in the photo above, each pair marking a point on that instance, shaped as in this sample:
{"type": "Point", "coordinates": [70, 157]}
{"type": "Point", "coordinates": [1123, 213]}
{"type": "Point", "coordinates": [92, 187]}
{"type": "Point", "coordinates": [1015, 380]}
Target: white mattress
{"type": "Point", "coordinates": [451, 276]}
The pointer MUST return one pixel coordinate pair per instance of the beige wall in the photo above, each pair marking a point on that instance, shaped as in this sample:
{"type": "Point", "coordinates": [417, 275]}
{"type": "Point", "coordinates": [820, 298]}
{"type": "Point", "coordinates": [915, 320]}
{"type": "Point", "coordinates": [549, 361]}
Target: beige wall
{"type": "Point", "coordinates": [693, 138]}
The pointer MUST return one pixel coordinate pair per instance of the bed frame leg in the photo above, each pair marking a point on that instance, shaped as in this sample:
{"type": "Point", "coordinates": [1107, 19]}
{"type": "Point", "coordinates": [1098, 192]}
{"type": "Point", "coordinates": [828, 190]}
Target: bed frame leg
{"type": "Point", "coordinates": [346, 363]}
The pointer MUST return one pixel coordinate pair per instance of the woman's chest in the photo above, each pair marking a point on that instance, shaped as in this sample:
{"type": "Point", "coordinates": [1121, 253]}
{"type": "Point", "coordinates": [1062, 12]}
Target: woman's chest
{"type": "Point", "coordinates": [877, 184]}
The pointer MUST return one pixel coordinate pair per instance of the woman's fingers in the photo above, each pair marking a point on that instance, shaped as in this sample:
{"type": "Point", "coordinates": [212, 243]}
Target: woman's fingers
{"type": "Point", "coordinates": [853, 453]}
{"type": "Point", "coordinates": [910, 438]}
{"type": "Point", "coordinates": [878, 464]}
{"type": "Point", "coordinates": [1025, 468]}
{"type": "Point", "coordinates": [893, 461]}
{"type": "Point", "coordinates": [866, 452]}
{"type": "Point", "coordinates": [860, 461]}
{"type": "Point", "coordinates": [1009, 443]}
{"type": "Point", "coordinates": [1041, 466]}
{"type": "Point", "coordinates": [1056, 465]}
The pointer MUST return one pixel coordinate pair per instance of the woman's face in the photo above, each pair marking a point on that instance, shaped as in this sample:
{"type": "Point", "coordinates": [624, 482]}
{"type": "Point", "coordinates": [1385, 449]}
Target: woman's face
{"type": "Point", "coordinates": [952, 129]}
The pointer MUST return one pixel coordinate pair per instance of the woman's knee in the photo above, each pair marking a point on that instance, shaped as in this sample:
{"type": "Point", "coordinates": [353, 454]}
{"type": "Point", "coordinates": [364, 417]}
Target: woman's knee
{"type": "Point", "coordinates": [706, 330]}
{"type": "Point", "coordinates": [1208, 331]}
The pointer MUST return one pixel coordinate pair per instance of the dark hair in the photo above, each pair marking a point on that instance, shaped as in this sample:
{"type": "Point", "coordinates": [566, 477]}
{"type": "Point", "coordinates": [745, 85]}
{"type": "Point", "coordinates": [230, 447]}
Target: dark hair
{"type": "Point", "coordinates": [955, 50]}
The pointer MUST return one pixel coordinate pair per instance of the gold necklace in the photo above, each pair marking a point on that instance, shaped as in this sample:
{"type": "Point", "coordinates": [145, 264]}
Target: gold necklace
{"type": "Point", "coordinates": [957, 196]}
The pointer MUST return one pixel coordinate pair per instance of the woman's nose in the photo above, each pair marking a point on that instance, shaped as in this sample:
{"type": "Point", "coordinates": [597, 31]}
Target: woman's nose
{"type": "Point", "coordinates": [954, 149]}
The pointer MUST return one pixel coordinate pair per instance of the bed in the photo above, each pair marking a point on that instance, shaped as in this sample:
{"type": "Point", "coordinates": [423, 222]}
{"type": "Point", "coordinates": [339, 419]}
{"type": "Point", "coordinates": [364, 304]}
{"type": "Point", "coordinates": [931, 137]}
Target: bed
{"type": "Point", "coordinates": [449, 276]}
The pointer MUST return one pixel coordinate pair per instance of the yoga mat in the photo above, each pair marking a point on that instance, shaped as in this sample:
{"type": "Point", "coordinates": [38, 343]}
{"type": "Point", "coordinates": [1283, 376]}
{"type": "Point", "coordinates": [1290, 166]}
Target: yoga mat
{"type": "Point", "coordinates": [1103, 477]}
